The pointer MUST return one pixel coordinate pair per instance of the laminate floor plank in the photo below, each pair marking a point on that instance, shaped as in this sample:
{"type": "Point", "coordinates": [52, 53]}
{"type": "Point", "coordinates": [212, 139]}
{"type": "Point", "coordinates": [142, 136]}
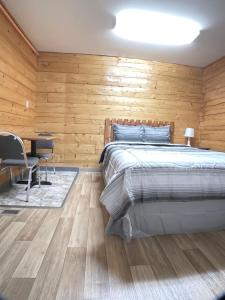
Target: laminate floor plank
{"type": "Point", "coordinates": [146, 285]}
{"type": "Point", "coordinates": [214, 279]}
{"type": "Point", "coordinates": [193, 285]}
{"type": "Point", "coordinates": [183, 241]}
{"type": "Point", "coordinates": [18, 289]}
{"type": "Point", "coordinates": [32, 225]}
{"type": "Point", "coordinates": [135, 253]}
{"type": "Point", "coordinates": [84, 177]}
{"type": "Point", "coordinates": [163, 271]}
{"type": "Point", "coordinates": [71, 285]}
{"type": "Point", "coordinates": [70, 207]}
{"type": "Point", "coordinates": [24, 214]}
{"type": "Point", "coordinates": [4, 222]}
{"type": "Point", "coordinates": [10, 261]}
{"type": "Point", "coordinates": [120, 279]}
{"type": "Point", "coordinates": [8, 236]}
{"type": "Point", "coordinates": [155, 257]}
{"type": "Point", "coordinates": [32, 260]}
{"type": "Point", "coordinates": [86, 189]}
{"type": "Point", "coordinates": [95, 195]}
{"type": "Point", "coordinates": [97, 177]}
{"type": "Point", "coordinates": [79, 234]}
{"type": "Point", "coordinates": [46, 282]}
{"type": "Point", "coordinates": [96, 274]}
{"type": "Point", "coordinates": [214, 253]}
{"type": "Point", "coordinates": [218, 238]}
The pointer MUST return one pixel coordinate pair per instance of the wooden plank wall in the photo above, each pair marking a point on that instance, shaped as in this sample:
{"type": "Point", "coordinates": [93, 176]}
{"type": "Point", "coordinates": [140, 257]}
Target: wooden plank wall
{"type": "Point", "coordinates": [18, 78]}
{"type": "Point", "coordinates": [77, 92]}
{"type": "Point", "coordinates": [212, 123]}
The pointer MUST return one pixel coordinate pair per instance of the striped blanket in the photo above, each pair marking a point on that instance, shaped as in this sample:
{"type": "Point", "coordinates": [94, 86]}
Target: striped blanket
{"type": "Point", "coordinates": [139, 172]}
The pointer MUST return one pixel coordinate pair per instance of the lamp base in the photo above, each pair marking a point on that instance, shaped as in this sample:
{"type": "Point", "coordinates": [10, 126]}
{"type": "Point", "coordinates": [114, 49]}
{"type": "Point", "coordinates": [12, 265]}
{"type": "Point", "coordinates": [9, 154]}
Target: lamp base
{"type": "Point", "coordinates": [189, 142]}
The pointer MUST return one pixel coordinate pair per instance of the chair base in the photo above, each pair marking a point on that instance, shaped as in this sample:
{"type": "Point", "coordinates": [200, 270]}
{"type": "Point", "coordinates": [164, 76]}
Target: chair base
{"type": "Point", "coordinates": [44, 182]}
{"type": "Point", "coordinates": [33, 183]}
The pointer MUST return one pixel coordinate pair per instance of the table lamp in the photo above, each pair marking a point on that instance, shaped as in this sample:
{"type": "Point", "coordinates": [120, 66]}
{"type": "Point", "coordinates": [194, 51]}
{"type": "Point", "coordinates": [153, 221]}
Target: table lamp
{"type": "Point", "coordinates": [189, 133]}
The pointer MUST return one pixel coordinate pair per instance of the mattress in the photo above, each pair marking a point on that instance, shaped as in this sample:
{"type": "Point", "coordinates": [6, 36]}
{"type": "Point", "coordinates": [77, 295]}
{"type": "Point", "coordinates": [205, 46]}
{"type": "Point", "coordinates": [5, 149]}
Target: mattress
{"type": "Point", "coordinates": [144, 173]}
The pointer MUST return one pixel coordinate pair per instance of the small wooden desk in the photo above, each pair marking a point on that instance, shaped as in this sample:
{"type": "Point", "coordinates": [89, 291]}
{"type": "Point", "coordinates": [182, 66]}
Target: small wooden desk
{"type": "Point", "coordinates": [33, 139]}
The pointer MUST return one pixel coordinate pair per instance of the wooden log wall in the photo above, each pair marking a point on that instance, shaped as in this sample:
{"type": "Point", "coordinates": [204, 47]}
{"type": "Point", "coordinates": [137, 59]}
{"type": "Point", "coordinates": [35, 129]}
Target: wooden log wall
{"type": "Point", "coordinates": [212, 122]}
{"type": "Point", "coordinates": [18, 78]}
{"type": "Point", "coordinates": [77, 92]}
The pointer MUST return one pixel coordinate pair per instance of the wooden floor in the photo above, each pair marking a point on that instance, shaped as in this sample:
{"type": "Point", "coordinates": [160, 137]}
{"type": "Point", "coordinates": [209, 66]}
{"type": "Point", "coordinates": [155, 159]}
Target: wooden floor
{"type": "Point", "coordinates": [64, 254]}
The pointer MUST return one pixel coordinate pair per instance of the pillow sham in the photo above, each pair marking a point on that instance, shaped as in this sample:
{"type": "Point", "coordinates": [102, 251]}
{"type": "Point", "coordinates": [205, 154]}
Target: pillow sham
{"type": "Point", "coordinates": [159, 134]}
{"type": "Point", "coordinates": [128, 133]}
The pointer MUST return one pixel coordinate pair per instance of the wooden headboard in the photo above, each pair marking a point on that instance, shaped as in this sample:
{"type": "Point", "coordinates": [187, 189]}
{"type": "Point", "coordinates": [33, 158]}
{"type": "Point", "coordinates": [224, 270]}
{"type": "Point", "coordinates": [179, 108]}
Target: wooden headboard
{"type": "Point", "coordinates": [108, 134]}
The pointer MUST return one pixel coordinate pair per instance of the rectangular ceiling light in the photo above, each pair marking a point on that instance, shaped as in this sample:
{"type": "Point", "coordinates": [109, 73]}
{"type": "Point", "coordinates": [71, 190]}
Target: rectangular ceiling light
{"type": "Point", "coordinates": [155, 28]}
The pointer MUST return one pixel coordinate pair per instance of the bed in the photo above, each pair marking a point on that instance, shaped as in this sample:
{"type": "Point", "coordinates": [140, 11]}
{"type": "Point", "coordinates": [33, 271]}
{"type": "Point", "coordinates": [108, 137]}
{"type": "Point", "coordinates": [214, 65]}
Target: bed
{"type": "Point", "coordinates": [156, 187]}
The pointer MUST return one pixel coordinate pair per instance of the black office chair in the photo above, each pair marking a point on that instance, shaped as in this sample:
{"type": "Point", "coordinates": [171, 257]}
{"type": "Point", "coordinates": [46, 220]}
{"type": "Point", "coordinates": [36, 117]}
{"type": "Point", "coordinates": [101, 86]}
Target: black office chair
{"type": "Point", "coordinates": [44, 155]}
{"type": "Point", "coordinates": [12, 153]}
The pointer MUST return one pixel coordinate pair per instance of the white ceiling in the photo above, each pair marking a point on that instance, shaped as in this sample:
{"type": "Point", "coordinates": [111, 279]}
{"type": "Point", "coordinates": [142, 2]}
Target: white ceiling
{"type": "Point", "coordinates": [85, 26]}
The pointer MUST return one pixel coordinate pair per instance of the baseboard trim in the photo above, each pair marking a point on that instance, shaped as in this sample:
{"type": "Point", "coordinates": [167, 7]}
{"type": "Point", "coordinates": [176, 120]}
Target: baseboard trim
{"type": "Point", "coordinates": [86, 169]}
{"type": "Point", "coordinates": [50, 168]}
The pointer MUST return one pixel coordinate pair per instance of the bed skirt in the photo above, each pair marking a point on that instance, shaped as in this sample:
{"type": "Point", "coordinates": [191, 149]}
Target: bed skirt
{"type": "Point", "coordinates": [147, 219]}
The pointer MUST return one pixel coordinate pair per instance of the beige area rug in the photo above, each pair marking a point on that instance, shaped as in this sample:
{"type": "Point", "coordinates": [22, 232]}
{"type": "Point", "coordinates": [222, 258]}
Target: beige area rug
{"type": "Point", "coordinates": [46, 196]}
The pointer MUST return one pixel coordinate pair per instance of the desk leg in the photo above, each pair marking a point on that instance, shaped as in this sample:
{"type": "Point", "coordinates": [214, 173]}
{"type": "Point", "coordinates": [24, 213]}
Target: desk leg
{"type": "Point", "coordinates": [34, 175]}
{"type": "Point", "coordinates": [34, 154]}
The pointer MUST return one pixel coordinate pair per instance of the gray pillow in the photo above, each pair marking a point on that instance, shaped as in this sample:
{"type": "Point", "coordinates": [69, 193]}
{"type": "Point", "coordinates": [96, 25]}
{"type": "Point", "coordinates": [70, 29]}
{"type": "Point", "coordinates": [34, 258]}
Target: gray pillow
{"type": "Point", "coordinates": [159, 134]}
{"type": "Point", "coordinates": [128, 133]}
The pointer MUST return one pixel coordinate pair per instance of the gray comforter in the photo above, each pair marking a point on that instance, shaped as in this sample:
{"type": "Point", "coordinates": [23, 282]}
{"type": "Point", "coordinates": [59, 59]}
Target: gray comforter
{"type": "Point", "coordinates": [142, 172]}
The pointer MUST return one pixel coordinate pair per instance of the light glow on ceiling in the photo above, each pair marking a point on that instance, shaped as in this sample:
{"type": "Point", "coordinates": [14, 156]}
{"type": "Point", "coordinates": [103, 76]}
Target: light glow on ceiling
{"type": "Point", "coordinates": [155, 28]}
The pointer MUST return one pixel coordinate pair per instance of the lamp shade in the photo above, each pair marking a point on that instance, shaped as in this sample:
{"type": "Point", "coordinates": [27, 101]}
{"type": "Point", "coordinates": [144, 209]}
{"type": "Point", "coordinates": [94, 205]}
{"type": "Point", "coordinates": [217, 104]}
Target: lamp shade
{"type": "Point", "coordinates": [189, 132]}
